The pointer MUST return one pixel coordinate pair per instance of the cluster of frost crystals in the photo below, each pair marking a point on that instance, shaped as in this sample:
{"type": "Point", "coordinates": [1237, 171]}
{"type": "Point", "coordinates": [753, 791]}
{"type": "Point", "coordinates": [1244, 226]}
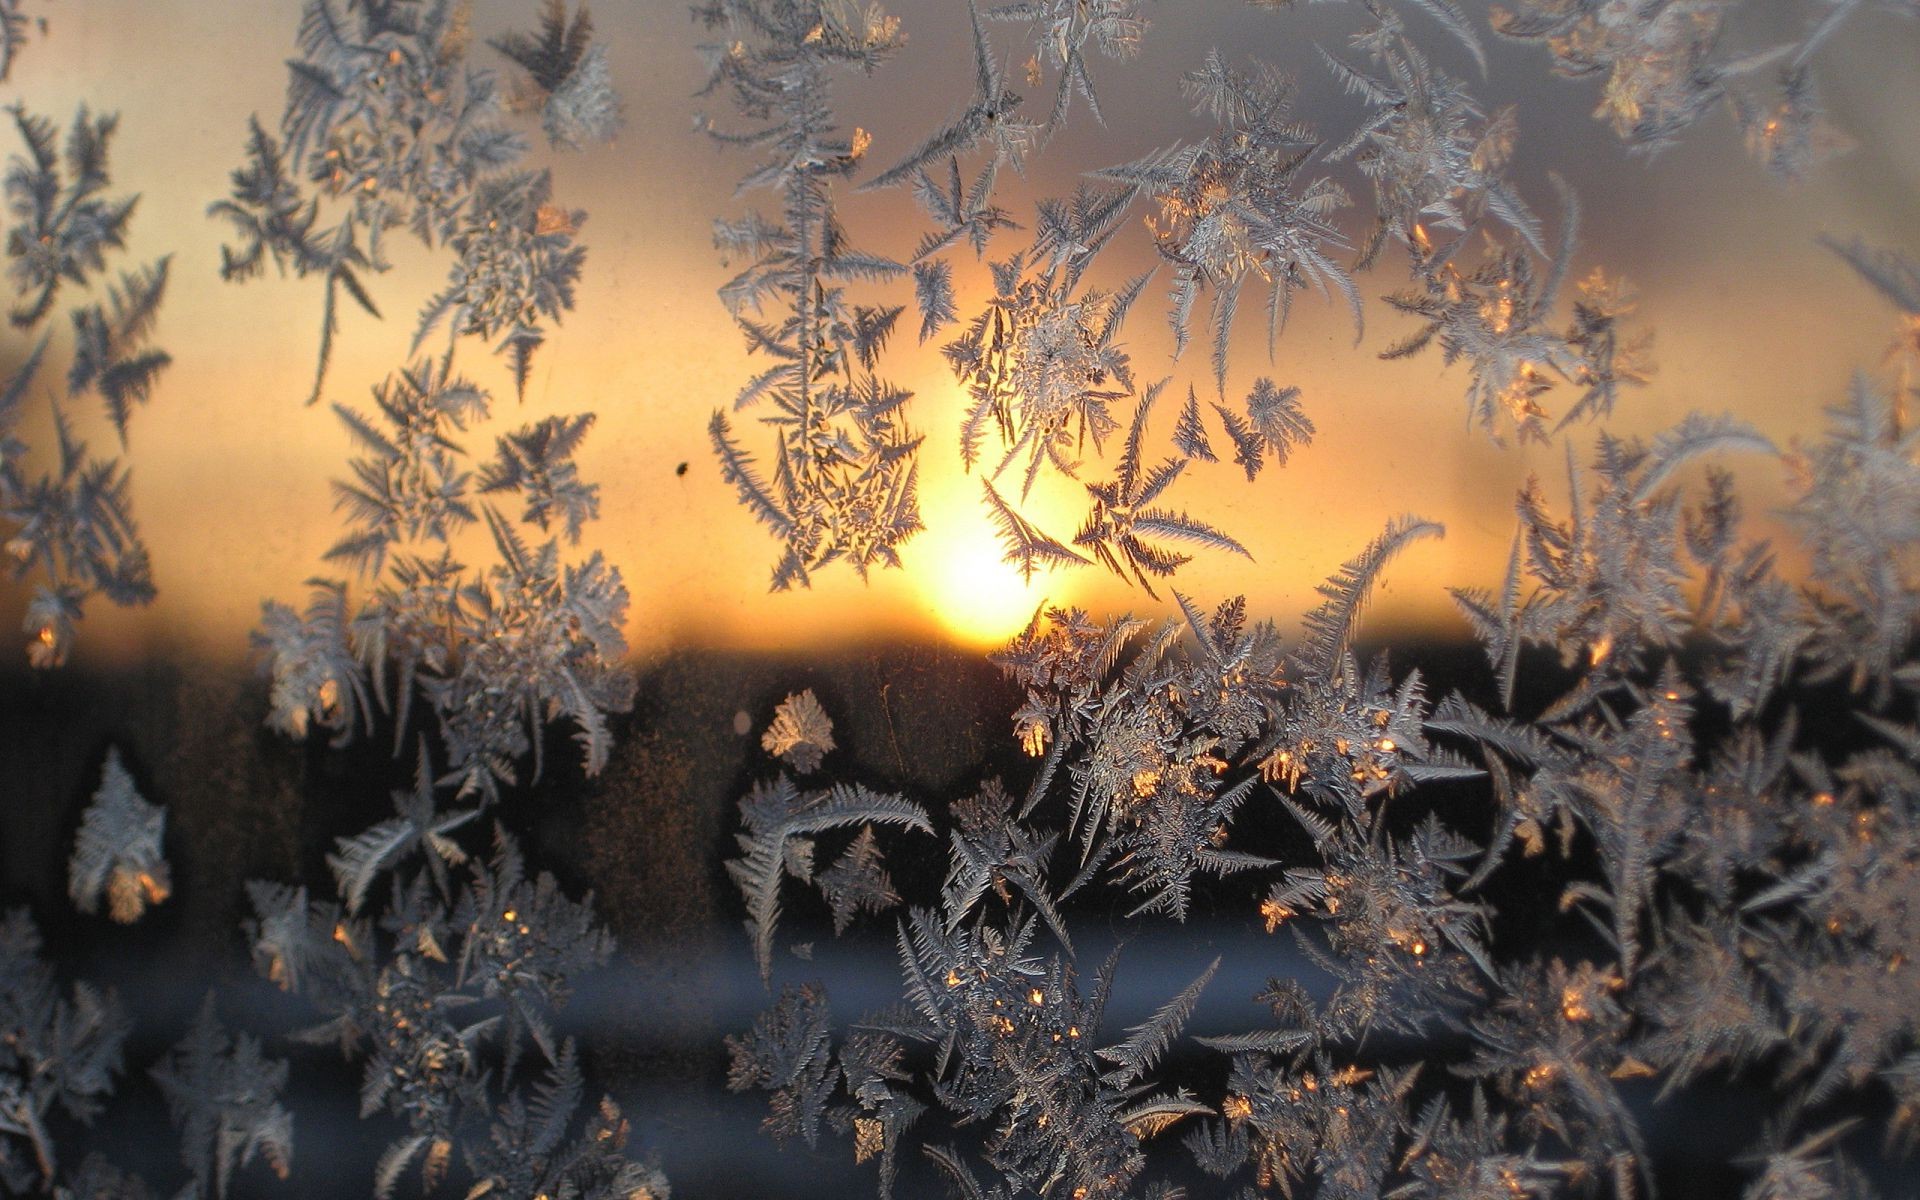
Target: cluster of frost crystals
{"type": "Point", "coordinates": [223, 1093]}
{"type": "Point", "coordinates": [1859, 513]}
{"type": "Point", "coordinates": [1659, 60]}
{"type": "Point", "coordinates": [54, 1052]}
{"type": "Point", "coordinates": [567, 77]}
{"type": "Point", "coordinates": [1730, 895]}
{"type": "Point", "coordinates": [394, 128]}
{"type": "Point", "coordinates": [1255, 203]}
{"type": "Point", "coordinates": [517, 265]}
{"type": "Point", "coordinates": [1062, 30]}
{"type": "Point", "coordinates": [1041, 363]}
{"type": "Point", "coordinates": [1023, 1039]}
{"type": "Point", "coordinates": [439, 969]}
{"type": "Point", "coordinates": [1666, 64]}
{"type": "Point", "coordinates": [1235, 208]}
{"type": "Point", "coordinates": [845, 483]}
{"type": "Point", "coordinates": [1153, 741]}
{"type": "Point", "coordinates": [526, 637]}
{"type": "Point", "coordinates": [1495, 316]}
{"type": "Point", "coordinates": [1748, 892]}
{"type": "Point", "coordinates": [496, 653]}
{"type": "Point", "coordinates": [1435, 158]}
{"type": "Point", "coordinates": [70, 524]}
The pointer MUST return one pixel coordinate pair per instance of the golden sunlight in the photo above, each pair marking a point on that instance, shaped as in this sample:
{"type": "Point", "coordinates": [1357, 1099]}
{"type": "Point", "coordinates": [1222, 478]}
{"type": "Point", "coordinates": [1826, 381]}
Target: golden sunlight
{"type": "Point", "coordinates": [975, 596]}
{"type": "Point", "coordinates": [961, 579]}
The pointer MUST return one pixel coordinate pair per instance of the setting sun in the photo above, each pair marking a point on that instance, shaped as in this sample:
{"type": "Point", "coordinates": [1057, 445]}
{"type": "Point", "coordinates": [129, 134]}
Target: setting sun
{"type": "Point", "coordinates": [975, 596]}
{"type": "Point", "coordinates": [963, 582]}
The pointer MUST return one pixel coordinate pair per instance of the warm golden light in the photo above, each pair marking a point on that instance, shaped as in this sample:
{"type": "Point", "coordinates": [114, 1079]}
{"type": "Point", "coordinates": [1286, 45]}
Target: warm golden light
{"type": "Point", "coordinates": [649, 324]}
{"type": "Point", "coordinates": [962, 582]}
{"type": "Point", "coordinates": [976, 597]}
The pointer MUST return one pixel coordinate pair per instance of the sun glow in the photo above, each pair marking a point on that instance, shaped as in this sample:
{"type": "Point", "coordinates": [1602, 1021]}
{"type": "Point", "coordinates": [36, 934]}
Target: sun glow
{"type": "Point", "coordinates": [963, 583]}
{"type": "Point", "coordinates": [973, 594]}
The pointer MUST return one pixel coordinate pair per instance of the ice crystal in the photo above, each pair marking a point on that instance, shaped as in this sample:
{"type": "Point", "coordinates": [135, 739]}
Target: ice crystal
{"type": "Point", "coordinates": [316, 678]}
{"type": "Point", "coordinates": [517, 264]}
{"type": "Point", "coordinates": [962, 210]}
{"type": "Point", "coordinates": [53, 1051]}
{"type": "Point", "coordinates": [778, 842]}
{"type": "Point", "coordinates": [552, 629]}
{"type": "Point", "coordinates": [845, 479]}
{"type": "Point", "coordinates": [409, 485]}
{"type": "Point", "coordinates": [1064, 1110]}
{"type": "Point", "coordinates": [1790, 136]}
{"type": "Point", "coordinates": [538, 462]}
{"type": "Point", "coordinates": [1612, 579]}
{"type": "Point", "coordinates": [1236, 207]}
{"type": "Point", "coordinates": [569, 74]}
{"type": "Point", "coordinates": [117, 853]}
{"type": "Point", "coordinates": [75, 524]}
{"type": "Point", "coordinates": [65, 226]}
{"type": "Point", "coordinates": [1495, 317]}
{"type": "Point", "coordinates": [224, 1094]}
{"type": "Point", "coordinates": [1125, 513]}
{"type": "Point", "coordinates": [419, 825]}
{"type": "Point", "coordinates": [785, 1053]}
{"type": "Point", "coordinates": [1553, 1042]}
{"type": "Point", "coordinates": [13, 33]}
{"type": "Point", "coordinates": [1042, 364]}
{"type": "Point", "coordinates": [988, 117]}
{"type": "Point", "coordinates": [395, 128]}
{"type": "Point", "coordinates": [1062, 30]}
{"type": "Point", "coordinates": [1435, 158]}
{"type": "Point", "coordinates": [108, 352]}
{"type": "Point", "coordinates": [801, 732]}
{"type": "Point", "coordinates": [1274, 423]}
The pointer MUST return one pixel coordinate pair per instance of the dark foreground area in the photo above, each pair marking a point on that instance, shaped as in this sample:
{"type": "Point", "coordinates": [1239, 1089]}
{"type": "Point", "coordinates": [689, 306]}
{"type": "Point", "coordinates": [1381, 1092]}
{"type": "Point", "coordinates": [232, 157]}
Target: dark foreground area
{"type": "Point", "coordinates": [648, 838]}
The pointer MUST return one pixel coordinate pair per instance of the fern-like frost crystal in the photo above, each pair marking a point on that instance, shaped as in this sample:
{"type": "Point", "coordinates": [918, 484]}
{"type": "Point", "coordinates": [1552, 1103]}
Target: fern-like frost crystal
{"type": "Point", "coordinates": [224, 1094]}
{"type": "Point", "coordinates": [801, 732]}
{"type": "Point", "coordinates": [117, 853]}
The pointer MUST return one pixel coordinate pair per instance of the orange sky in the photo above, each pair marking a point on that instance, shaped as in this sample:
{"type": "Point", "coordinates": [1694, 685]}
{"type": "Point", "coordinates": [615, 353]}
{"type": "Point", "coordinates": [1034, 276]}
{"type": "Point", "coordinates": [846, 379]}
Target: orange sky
{"type": "Point", "coordinates": [231, 472]}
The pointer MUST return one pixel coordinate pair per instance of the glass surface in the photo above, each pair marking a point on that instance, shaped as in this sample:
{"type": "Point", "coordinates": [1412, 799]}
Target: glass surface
{"type": "Point", "coordinates": [233, 484]}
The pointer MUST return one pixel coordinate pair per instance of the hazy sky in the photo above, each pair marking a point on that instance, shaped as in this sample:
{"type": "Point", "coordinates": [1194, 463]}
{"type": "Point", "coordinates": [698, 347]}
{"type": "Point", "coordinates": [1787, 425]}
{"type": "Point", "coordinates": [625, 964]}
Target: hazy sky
{"type": "Point", "coordinates": [231, 472]}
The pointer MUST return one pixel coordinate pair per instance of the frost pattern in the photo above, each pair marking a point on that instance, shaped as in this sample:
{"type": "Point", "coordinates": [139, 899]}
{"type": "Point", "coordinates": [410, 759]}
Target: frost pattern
{"type": "Point", "coordinates": [393, 128]}
{"type": "Point", "coordinates": [224, 1094]}
{"type": "Point", "coordinates": [844, 482]}
{"type": "Point", "coordinates": [117, 853]}
{"type": "Point", "coordinates": [1732, 894]}
{"type": "Point", "coordinates": [801, 732]}
{"type": "Point", "coordinates": [428, 628]}
{"type": "Point", "coordinates": [73, 525]}
{"type": "Point", "coordinates": [54, 1051]}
